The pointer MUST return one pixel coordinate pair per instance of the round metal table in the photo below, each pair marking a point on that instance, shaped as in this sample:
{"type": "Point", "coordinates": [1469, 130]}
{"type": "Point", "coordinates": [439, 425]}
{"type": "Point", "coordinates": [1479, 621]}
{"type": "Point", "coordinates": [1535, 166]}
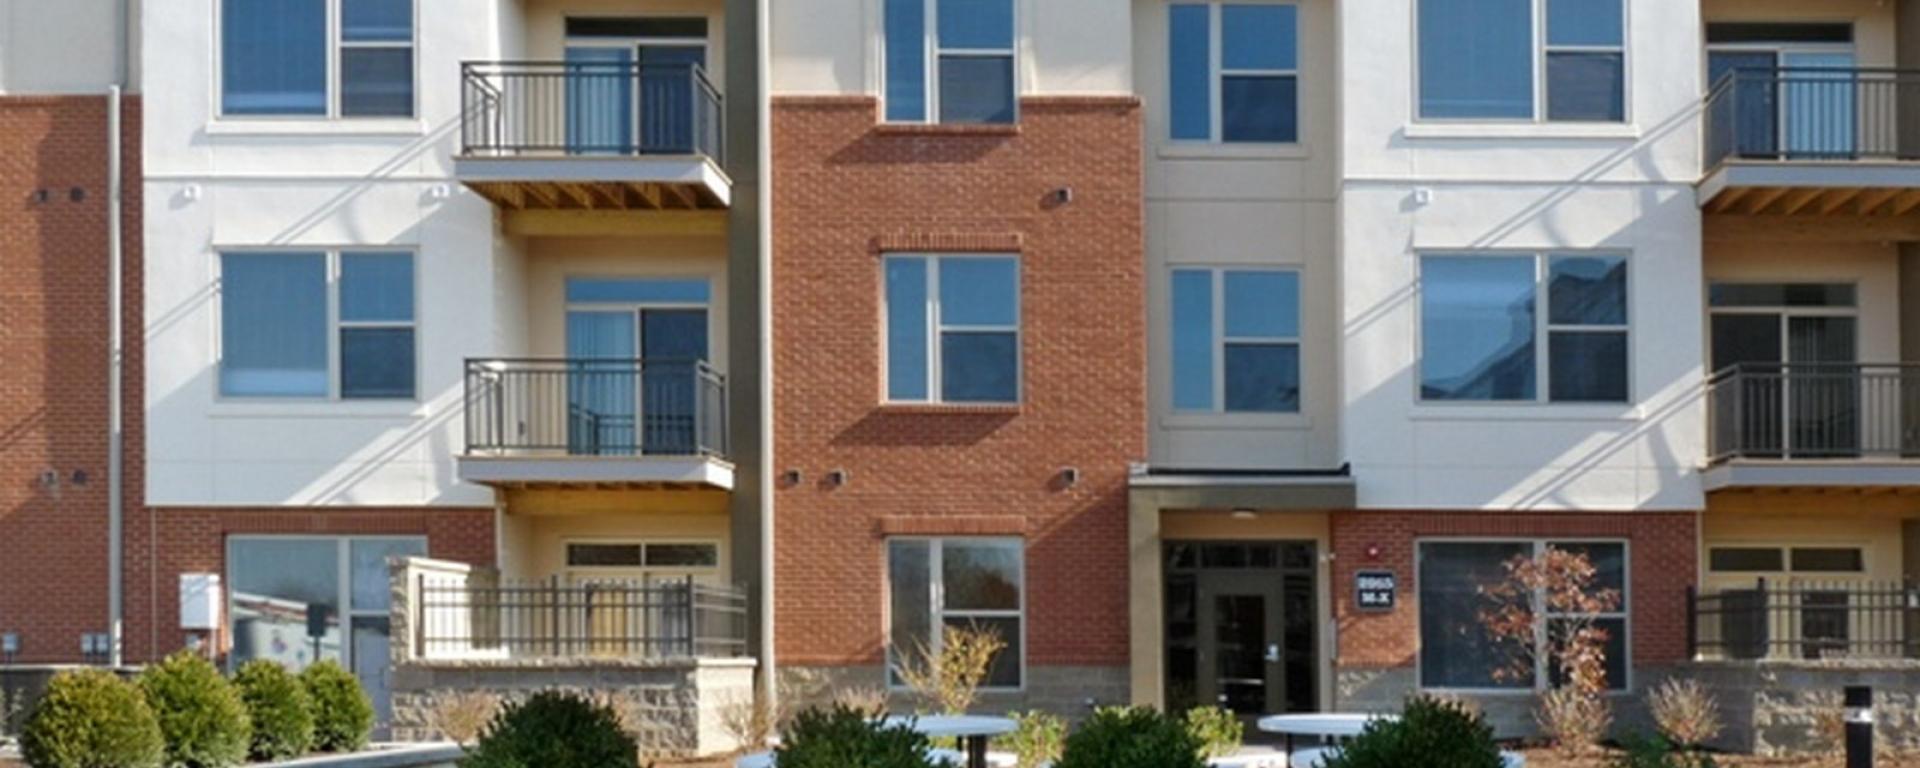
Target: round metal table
{"type": "Point", "coordinates": [973, 731]}
{"type": "Point", "coordinates": [1325, 725]}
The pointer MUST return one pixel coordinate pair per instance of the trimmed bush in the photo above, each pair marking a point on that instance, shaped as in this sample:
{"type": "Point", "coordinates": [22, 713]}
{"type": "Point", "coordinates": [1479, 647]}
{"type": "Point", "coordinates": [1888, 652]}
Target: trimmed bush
{"type": "Point", "coordinates": [91, 718]}
{"type": "Point", "coordinates": [1132, 737]}
{"type": "Point", "coordinates": [1430, 732]}
{"type": "Point", "coordinates": [1220, 732]}
{"type": "Point", "coordinates": [278, 705]}
{"type": "Point", "coordinates": [1657, 752]}
{"type": "Point", "coordinates": [201, 716]}
{"type": "Point", "coordinates": [844, 737]}
{"type": "Point", "coordinates": [554, 730]}
{"type": "Point", "coordinates": [342, 713]}
{"type": "Point", "coordinates": [1037, 738]}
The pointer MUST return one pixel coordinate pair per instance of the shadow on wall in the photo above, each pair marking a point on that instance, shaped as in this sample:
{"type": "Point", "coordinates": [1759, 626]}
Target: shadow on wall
{"type": "Point", "coordinates": [883, 428]}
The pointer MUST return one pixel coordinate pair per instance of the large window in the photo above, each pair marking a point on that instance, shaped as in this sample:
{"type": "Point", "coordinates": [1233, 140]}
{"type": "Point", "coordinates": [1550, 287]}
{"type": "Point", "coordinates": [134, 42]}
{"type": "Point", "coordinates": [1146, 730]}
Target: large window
{"type": "Point", "coordinates": [317, 324]}
{"type": "Point", "coordinates": [1456, 651]}
{"type": "Point", "coordinates": [950, 61]}
{"type": "Point", "coordinates": [1492, 60]}
{"type": "Point", "coordinates": [975, 584]}
{"type": "Point", "coordinates": [953, 328]}
{"type": "Point", "coordinates": [1235, 72]}
{"type": "Point", "coordinates": [317, 58]}
{"type": "Point", "coordinates": [1483, 337]}
{"type": "Point", "coordinates": [1236, 340]}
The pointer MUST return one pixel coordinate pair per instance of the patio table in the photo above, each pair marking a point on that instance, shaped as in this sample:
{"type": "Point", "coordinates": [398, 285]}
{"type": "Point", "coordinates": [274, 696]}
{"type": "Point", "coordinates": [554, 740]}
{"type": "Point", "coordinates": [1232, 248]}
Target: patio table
{"type": "Point", "coordinates": [1325, 725]}
{"type": "Point", "coordinates": [973, 731]}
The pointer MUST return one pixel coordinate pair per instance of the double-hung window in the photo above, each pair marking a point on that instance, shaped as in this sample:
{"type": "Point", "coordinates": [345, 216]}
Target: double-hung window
{"type": "Point", "coordinates": [950, 61]}
{"type": "Point", "coordinates": [1554, 60]}
{"type": "Point", "coordinates": [1234, 74]}
{"type": "Point", "coordinates": [317, 324]}
{"type": "Point", "coordinates": [957, 583]}
{"type": "Point", "coordinates": [953, 328]}
{"type": "Point", "coordinates": [1236, 340]}
{"type": "Point", "coordinates": [1481, 330]}
{"type": "Point", "coordinates": [1457, 652]}
{"type": "Point", "coordinates": [317, 58]}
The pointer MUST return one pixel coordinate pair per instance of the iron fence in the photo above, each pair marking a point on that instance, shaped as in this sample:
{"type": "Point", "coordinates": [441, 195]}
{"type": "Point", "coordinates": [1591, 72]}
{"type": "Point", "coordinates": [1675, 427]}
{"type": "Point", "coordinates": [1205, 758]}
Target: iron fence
{"type": "Point", "coordinates": [1812, 620]}
{"type": "Point", "coordinates": [590, 108]}
{"type": "Point", "coordinates": [596, 407]}
{"type": "Point", "coordinates": [1813, 113]}
{"type": "Point", "coordinates": [555, 618]}
{"type": "Point", "coordinates": [1814, 411]}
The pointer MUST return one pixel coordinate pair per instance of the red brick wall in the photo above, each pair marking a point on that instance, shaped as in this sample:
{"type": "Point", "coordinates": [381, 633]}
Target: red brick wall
{"type": "Point", "coordinates": [844, 192]}
{"type": "Point", "coordinates": [53, 365]}
{"type": "Point", "coordinates": [1661, 552]}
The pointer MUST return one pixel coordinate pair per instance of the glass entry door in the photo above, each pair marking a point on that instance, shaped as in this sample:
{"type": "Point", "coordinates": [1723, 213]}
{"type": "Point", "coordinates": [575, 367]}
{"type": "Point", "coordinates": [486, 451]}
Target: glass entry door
{"type": "Point", "coordinates": [633, 380]}
{"type": "Point", "coordinates": [626, 97]}
{"type": "Point", "coordinates": [1241, 638]}
{"type": "Point", "coordinates": [1242, 627]}
{"type": "Point", "coordinates": [1797, 102]}
{"type": "Point", "coordinates": [1801, 392]}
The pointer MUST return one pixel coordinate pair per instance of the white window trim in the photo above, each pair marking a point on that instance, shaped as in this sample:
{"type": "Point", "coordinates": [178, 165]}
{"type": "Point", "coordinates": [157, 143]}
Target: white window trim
{"type": "Point", "coordinates": [935, 329]}
{"type": "Point", "coordinates": [1217, 277]}
{"type": "Point", "coordinates": [930, 67]}
{"type": "Point", "coordinates": [936, 602]}
{"type": "Point", "coordinates": [1542, 336]}
{"type": "Point", "coordinates": [1217, 73]}
{"type": "Point", "coordinates": [1540, 48]}
{"type": "Point", "coordinates": [336, 42]}
{"type": "Point", "coordinates": [335, 326]}
{"type": "Point", "coordinates": [1542, 676]}
{"type": "Point", "coordinates": [347, 613]}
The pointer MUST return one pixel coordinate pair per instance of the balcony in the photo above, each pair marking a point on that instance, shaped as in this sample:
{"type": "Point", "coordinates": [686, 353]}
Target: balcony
{"type": "Point", "coordinates": [553, 618]}
{"type": "Point", "coordinates": [1805, 621]}
{"type": "Point", "coordinates": [592, 136]}
{"type": "Point", "coordinates": [1814, 425]}
{"type": "Point", "coordinates": [599, 422]}
{"type": "Point", "coordinates": [1813, 142]}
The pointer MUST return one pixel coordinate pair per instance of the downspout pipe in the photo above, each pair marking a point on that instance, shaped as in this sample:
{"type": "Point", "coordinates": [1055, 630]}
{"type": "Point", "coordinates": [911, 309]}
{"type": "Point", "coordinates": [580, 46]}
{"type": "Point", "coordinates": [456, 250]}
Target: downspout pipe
{"type": "Point", "coordinates": [116, 351]}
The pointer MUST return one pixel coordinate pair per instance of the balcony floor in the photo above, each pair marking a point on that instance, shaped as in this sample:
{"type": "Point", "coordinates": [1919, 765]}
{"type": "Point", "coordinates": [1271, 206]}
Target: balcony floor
{"type": "Point", "coordinates": [1812, 188]}
{"type": "Point", "coordinates": [1865, 475]}
{"type": "Point", "coordinates": [601, 472]}
{"type": "Point", "coordinates": [614, 183]}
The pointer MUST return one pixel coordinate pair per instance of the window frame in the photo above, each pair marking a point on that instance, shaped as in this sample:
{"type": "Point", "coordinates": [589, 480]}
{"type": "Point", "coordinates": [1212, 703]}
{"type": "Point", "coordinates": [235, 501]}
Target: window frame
{"type": "Point", "coordinates": [1542, 672]}
{"type": "Point", "coordinates": [1786, 549]}
{"type": "Point", "coordinates": [336, 43]}
{"type": "Point", "coordinates": [1540, 48]}
{"type": "Point", "coordinates": [1217, 73]}
{"type": "Point", "coordinates": [335, 326]}
{"type": "Point", "coordinates": [645, 570]}
{"type": "Point", "coordinates": [346, 613]}
{"type": "Point", "coordinates": [1217, 277]}
{"type": "Point", "coordinates": [937, 612]}
{"type": "Point", "coordinates": [932, 52]}
{"type": "Point", "coordinates": [936, 329]}
{"type": "Point", "coordinates": [1543, 327]}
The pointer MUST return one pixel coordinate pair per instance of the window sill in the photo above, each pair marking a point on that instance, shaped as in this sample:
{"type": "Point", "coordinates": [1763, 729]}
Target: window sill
{"type": "Point", "coordinates": [299, 408]}
{"type": "Point", "coordinates": [1197, 150]}
{"type": "Point", "coordinates": [947, 129]}
{"type": "Point", "coordinates": [1236, 421]}
{"type": "Point", "coordinates": [951, 409]}
{"type": "Point", "coordinates": [1523, 130]}
{"type": "Point", "coordinates": [315, 127]}
{"type": "Point", "coordinates": [1525, 412]}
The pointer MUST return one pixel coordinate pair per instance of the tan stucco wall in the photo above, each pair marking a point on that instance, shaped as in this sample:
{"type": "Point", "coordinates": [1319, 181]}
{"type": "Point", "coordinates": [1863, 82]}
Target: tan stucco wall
{"type": "Point", "coordinates": [546, 25]}
{"type": "Point", "coordinates": [551, 260]}
{"type": "Point", "coordinates": [1873, 266]}
{"type": "Point", "coordinates": [1873, 20]}
{"type": "Point", "coordinates": [540, 523]}
{"type": "Point", "coordinates": [1870, 521]}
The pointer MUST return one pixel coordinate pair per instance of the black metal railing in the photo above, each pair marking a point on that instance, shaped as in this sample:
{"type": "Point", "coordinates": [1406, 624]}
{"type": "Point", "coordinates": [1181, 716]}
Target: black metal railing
{"type": "Point", "coordinates": [596, 407]}
{"type": "Point", "coordinates": [557, 619]}
{"type": "Point", "coordinates": [589, 108]}
{"type": "Point", "coordinates": [1806, 620]}
{"type": "Point", "coordinates": [1813, 113]}
{"type": "Point", "coordinates": [1814, 411]}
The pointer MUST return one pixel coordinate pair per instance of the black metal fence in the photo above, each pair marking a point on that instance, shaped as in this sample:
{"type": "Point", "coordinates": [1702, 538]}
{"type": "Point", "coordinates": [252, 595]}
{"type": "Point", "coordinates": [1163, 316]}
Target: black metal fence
{"type": "Point", "coordinates": [1814, 411]}
{"type": "Point", "coordinates": [1813, 113]}
{"type": "Point", "coordinates": [1799, 619]}
{"type": "Point", "coordinates": [555, 618]}
{"type": "Point", "coordinates": [589, 108]}
{"type": "Point", "coordinates": [596, 407]}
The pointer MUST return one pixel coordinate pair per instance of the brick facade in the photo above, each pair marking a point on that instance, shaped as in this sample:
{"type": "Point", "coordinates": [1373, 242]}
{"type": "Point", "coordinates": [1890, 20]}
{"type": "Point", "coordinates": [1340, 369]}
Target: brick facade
{"type": "Point", "coordinates": [847, 190]}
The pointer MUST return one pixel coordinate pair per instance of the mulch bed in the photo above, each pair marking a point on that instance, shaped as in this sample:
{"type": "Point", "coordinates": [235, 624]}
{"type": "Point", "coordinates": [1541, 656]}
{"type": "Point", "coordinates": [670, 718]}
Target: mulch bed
{"type": "Point", "coordinates": [1546, 758]}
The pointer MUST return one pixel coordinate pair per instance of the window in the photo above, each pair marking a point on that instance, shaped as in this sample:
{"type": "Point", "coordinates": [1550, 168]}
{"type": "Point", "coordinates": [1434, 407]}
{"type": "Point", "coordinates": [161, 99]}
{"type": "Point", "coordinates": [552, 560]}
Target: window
{"type": "Point", "coordinates": [1776, 559]}
{"type": "Point", "coordinates": [669, 555]}
{"type": "Point", "coordinates": [1456, 651]}
{"type": "Point", "coordinates": [276, 311]}
{"type": "Point", "coordinates": [953, 328]}
{"type": "Point", "coordinates": [959, 583]}
{"type": "Point", "coordinates": [1481, 330]}
{"type": "Point", "coordinates": [1236, 340]}
{"type": "Point", "coordinates": [1478, 60]}
{"type": "Point", "coordinates": [317, 58]}
{"type": "Point", "coordinates": [1234, 72]}
{"type": "Point", "coordinates": [950, 61]}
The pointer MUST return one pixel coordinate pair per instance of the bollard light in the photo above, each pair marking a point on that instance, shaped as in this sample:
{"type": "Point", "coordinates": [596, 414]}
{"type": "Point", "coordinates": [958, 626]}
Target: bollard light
{"type": "Point", "coordinates": [1859, 713]}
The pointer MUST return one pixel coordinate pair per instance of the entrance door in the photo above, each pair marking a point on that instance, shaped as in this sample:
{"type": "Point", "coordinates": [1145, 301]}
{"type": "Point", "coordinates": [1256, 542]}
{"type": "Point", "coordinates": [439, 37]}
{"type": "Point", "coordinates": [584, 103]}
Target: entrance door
{"type": "Point", "coordinates": [634, 381]}
{"type": "Point", "coordinates": [1242, 666]}
{"type": "Point", "coordinates": [630, 85]}
{"type": "Point", "coordinates": [1242, 627]}
{"type": "Point", "coordinates": [1802, 395]}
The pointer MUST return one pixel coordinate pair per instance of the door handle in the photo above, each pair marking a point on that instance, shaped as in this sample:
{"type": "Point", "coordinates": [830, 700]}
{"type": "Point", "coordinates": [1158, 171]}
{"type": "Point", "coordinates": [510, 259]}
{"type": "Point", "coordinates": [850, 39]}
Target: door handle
{"type": "Point", "coordinates": [1273, 653]}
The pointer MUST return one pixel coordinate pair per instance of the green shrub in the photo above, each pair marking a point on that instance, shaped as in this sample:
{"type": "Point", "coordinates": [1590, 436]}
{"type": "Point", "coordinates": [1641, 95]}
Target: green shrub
{"type": "Point", "coordinates": [1132, 737]}
{"type": "Point", "coordinates": [91, 718]}
{"type": "Point", "coordinates": [342, 713]}
{"type": "Point", "coordinates": [1220, 732]}
{"type": "Point", "coordinates": [1657, 752]}
{"type": "Point", "coordinates": [1037, 738]}
{"type": "Point", "coordinates": [1434, 733]}
{"type": "Point", "coordinates": [554, 730]}
{"type": "Point", "coordinates": [844, 737]}
{"type": "Point", "coordinates": [279, 707]}
{"type": "Point", "coordinates": [201, 716]}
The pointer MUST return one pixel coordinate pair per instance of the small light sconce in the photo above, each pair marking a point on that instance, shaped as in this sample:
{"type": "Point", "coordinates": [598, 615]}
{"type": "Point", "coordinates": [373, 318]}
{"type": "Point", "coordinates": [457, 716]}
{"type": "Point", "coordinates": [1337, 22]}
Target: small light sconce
{"type": "Point", "coordinates": [77, 194]}
{"type": "Point", "coordinates": [50, 479]}
{"type": "Point", "coordinates": [1244, 514]}
{"type": "Point", "coordinates": [791, 477]}
{"type": "Point", "coordinates": [79, 477]}
{"type": "Point", "coordinates": [838, 477]}
{"type": "Point", "coordinates": [1060, 196]}
{"type": "Point", "coordinates": [1069, 476]}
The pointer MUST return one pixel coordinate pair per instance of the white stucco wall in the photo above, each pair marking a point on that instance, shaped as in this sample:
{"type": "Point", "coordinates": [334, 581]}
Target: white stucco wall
{"type": "Point", "coordinates": [63, 46]}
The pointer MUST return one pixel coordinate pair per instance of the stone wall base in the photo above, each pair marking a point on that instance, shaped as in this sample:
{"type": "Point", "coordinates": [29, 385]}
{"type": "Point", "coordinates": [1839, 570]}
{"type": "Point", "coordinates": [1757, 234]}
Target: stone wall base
{"type": "Point", "coordinates": [1780, 708]}
{"type": "Point", "coordinates": [1069, 691]}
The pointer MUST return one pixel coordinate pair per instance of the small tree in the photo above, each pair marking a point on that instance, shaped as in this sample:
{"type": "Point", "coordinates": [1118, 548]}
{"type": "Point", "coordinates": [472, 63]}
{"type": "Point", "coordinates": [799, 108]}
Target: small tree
{"type": "Point", "coordinates": [1565, 583]}
{"type": "Point", "coordinates": [1685, 712]}
{"type": "Point", "coordinates": [948, 678]}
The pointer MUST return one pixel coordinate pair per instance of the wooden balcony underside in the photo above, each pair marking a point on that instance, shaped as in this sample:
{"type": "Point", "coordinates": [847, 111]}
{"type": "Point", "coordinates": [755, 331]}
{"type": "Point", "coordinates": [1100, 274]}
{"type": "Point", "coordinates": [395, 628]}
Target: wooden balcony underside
{"type": "Point", "coordinates": [598, 195]}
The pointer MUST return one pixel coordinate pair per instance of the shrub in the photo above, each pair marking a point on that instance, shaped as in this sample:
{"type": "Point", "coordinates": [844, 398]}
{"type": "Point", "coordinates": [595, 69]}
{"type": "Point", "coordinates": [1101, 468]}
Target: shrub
{"type": "Point", "coordinates": [949, 679]}
{"type": "Point", "coordinates": [1132, 737]}
{"type": "Point", "coordinates": [1037, 738]}
{"type": "Point", "coordinates": [844, 737]}
{"type": "Point", "coordinates": [1574, 719]}
{"type": "Point", "coordinates": [202, 718]}
{"type": "Point", "coordinates": [1657, 752]}
{"type": "Point", "coordinates": [1685, 712]}
{"type": "Point", "coordinates": [1429, 733]}
{"type": "Point", "coordinates": [91, 718]}
{"type": "Point", "coordinates": [552, 729]}
{"type": "Point", "coordinates": [1219, 731]}
{"type": "Point", "coordinates": [279, 707]}
{"type": "Point", "coordinates": [463, 716]}
{"type": "Point", "coordinates": [342, 713]}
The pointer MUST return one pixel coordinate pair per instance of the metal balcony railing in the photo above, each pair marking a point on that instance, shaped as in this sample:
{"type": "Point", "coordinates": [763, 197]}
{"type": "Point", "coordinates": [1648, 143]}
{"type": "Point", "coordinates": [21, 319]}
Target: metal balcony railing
{"type": "Point", "coordinates": [1806, 620]}
{"type": "Point", "coordinates": [589, 108]}
{"type": "Point", "coordinates": [1814, 411]}
{"type": "Point", "coordinates": [1813, 114]}
{"type": "Point", "coordinates": [559, 619]}
{"type": "Point", "coordinates": [595, 407]}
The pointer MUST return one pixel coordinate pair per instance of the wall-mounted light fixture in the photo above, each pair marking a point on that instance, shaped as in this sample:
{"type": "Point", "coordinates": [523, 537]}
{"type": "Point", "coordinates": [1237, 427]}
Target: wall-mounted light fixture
{"type": "Point", "coordinates": [1069, 476]}
{"type": "Point", "coordinates": [1244, 514]}
{"type": "Point", "coordinates": [838, 477]}
{"type": "Point", "coordinates": [791, 477]}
